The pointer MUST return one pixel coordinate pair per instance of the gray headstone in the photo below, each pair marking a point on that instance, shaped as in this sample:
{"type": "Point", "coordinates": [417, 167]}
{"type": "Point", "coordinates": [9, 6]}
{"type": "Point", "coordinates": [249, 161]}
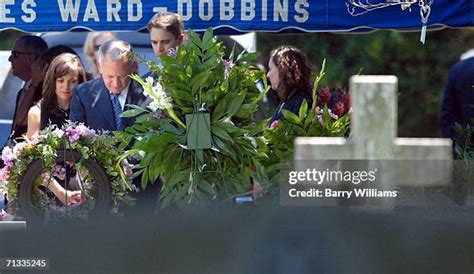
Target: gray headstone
{"type": "Point", "coordinates": [416, 162]}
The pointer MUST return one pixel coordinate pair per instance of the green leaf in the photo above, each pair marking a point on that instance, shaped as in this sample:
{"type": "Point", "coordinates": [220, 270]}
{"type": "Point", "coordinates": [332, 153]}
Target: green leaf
{"type": "Point", "coordinates": [309, 119]}
{"type": "Point", "coordinates": [219, 111]}
{"type": "Point", "coordinates": [326, 117]}
{"type": "Point", "coordinates": [303, 110]}
{"type": "Point", "coordinates": [248, 57]}
{"type": "Point", "coordinates": [144, 178]}
{"type": "Point", "coordinates": [166, 126]}
{"type": "Point", "coordinates": [182, 94]}
{"type": "Point", "coordinates": [194, 38]}
{"type": "Point", "coordinates": [206, 186]}
{"type": "Point", "coordinates": [235, 104]}
{"type": "Point", "coordinates": [222, 146]}
{"type": "Point", "coordinates": [207, 39]}
{"type": "Point", "coordinates": [220, 132]}
{"type": "Point", "coordinates": [290, 116]}
{"type": "Point", "coordinates": [132, 113]}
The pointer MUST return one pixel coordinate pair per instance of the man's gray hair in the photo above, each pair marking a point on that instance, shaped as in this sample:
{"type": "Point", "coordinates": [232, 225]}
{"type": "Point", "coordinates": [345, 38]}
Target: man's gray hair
{"type": "Point", "coordinates": [117, 50]}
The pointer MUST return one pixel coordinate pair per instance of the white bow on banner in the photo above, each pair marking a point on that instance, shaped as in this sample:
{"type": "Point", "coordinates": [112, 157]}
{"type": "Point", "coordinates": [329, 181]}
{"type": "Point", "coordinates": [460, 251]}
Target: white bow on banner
{"type": "Point", "coordinates": [359, 7]}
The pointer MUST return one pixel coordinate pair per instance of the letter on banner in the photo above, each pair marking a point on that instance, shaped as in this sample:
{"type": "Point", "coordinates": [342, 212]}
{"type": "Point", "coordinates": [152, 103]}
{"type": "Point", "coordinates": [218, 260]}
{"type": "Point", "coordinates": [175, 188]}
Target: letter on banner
{"type": "Point", "coordinates": [113, 8]}
{"type": "Point", "coordinates": [189, 9]}
{"type": "Point", "coordinates": [264, 10]}
{"type": "Point", "coordinates": [91, 12]}
{"type": "Point", "coordinates": [139, 9]}
{"type": "Point", "coordinates": [303, 13]}
{"type": "Point", "coordinates": [69, 9]}
{"type": "Point", "coordinates": [4, 11]}
{"type": "Point", "coordinates": [247, 11]}
{"type": "Point", "coordinates": [282, 10]}
{"type": "Point", "coordinates": [227, 9]}
{"type": "Point", "coordinates": [210, 9]}
{"type": "Point", "coordinates": [30, 14]}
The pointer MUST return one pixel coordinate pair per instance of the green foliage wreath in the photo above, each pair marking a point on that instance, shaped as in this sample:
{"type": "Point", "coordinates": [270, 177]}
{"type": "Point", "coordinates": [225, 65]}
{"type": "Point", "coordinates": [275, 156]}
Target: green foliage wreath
{"type": "Point", "coordinates": [198, 80]}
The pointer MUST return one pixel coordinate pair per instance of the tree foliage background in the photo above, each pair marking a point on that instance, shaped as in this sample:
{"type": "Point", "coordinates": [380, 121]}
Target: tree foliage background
{"type": "Point", "coordinates": [422, 70]}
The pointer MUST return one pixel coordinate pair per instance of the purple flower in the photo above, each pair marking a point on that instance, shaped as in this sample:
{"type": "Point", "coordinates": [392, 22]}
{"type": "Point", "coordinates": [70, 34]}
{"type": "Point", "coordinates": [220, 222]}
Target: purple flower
{"type": "Point", "coordinates": [172, 52]}
{"type": "Point", "coordinates": [228, 65]}
{"type": "Point", "coordinates": [72, 134]}
{"type": "Point", "coordinates": [59, 172]}
{"type": "Point", "coordinates": [320, 119]}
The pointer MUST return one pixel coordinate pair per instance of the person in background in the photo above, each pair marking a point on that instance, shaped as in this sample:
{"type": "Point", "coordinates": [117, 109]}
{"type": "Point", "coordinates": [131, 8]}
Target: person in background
{"type": "Point", "coordinates": [458, 101]}
{"type": "Point", "coordinates": [166, 33]}
{"type": "Point", "coordinates": [24, 52]}
{"type": "Point", "coordinates": [91, 48]}
{"type": "Point", "coordinates": [65, 73]}
{"type": "Point", "coordinates": [290, 77]}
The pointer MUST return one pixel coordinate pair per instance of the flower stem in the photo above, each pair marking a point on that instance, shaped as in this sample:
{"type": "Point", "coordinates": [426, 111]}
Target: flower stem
{"type": "Point", "coordinates": [173, 116]}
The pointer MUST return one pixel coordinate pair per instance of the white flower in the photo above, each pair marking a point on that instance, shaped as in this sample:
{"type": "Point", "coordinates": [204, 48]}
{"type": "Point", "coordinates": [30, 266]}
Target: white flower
{"type": "Point", "coordinates": [19, 147]}
{"type": "Point", "coordinates": [157, 88]}
{"type": "Point", "coordinates": [163, 103]}
{"type": "Point", "coordinates": [58, 133]}
{"type": "Point", "coordinates": [161, 100]}
{"type": "Point", "coordinates": [149, 80]}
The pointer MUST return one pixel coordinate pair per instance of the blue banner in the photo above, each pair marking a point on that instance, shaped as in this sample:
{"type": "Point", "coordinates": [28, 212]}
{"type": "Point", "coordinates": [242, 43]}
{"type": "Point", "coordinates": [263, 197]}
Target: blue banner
{"type": "Point", "coordinates": [230, 16]}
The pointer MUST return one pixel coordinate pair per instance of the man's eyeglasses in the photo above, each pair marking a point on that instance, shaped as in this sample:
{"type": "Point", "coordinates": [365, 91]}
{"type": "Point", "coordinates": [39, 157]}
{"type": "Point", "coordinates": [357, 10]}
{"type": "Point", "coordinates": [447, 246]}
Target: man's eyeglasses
{"type": "Point", "coordinates": [16, 54]}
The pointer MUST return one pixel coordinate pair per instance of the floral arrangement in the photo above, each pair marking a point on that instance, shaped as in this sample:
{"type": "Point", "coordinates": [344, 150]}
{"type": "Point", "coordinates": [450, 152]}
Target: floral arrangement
{"type": "Point", "coordinates": [327, 116]}
{"type": "Point", "coordinates": [199, 135]}
{"type": "Point", "coordinates": [50, 142]}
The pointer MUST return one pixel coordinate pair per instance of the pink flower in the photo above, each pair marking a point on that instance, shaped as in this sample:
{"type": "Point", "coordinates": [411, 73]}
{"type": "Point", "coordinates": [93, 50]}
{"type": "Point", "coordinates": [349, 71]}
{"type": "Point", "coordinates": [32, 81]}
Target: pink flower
{"type": "Point", "coordinates": [85, 131]}
{"type": "Point", "coordinates": [2, 214]}
{"type": "Point", "coordinates": [8, 157]}
{"type": "Point", "coordinates": [4, 174]}
{"type": "Point", "coordinates": [19, 148]}
{"type": "Point", "coordinates": [274, 124]}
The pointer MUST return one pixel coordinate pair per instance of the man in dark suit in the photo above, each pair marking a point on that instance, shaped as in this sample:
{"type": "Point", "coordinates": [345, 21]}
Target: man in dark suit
{"type": "Point", "coordinates": [99, 103]}
{"type": "Point", "coordinates": [25, 50]}
{"type": "Point", "coordinates": [458, 97]}
{"type": "Point", "coordinates": [95, 102]}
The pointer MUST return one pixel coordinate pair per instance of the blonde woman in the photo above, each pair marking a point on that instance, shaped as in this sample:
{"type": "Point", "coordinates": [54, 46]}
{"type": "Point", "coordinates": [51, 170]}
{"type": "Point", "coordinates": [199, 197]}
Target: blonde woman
{"type": "Point", "coordinates": [91, 48]}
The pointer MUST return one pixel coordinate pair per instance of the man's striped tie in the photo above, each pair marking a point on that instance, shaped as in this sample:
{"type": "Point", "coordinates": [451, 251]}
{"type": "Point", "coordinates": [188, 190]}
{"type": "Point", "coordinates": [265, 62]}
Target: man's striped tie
{"type": "Point", "coordinates": [117, 110]}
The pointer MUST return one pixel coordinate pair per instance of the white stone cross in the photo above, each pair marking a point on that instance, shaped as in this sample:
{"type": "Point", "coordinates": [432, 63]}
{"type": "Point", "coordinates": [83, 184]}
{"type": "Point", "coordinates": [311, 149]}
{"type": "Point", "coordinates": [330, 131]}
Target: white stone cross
{"type": "Point", "coordinates": [374, 137]}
